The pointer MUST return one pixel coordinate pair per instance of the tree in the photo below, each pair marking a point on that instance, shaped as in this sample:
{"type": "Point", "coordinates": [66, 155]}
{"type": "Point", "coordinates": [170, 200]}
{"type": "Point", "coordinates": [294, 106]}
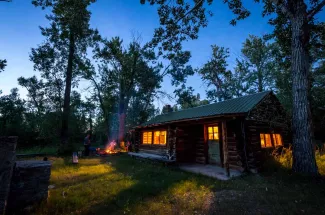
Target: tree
{"type": "Point", "coordinates": [3, 64]}
{"type": "Point", "coordinates": [36, 93]}
{"type": "Point", "coordinates": [186, 98]}
{"type": "Point", "coordinates": [11, 113]}
{"type": "Point", "coordinates": [65, 48]}
{"type": "Point", "coordinates": [183, 19]}
{"type": "Point", "coordinates": [215, 73]}
{"type": "Point", "coordinates": [138, 74]}
{"type": "Point", "coordinates": [129, 70]}
{"type": "Point", "coordinates": [258, 64]}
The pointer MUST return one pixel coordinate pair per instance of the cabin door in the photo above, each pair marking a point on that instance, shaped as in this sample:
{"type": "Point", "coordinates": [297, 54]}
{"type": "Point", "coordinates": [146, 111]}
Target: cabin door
{"type": "Point", "coordinates": [214, 145]}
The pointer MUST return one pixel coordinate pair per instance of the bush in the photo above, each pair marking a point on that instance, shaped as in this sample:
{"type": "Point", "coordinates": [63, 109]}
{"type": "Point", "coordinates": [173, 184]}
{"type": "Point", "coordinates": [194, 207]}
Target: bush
{"type": "Point", "coordinates": [284, 158]}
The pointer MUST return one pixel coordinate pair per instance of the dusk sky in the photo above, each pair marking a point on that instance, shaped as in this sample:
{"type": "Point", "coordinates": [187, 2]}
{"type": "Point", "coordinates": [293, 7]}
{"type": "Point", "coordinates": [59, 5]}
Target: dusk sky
{"type": "Point", "coordinates": [20, 22]}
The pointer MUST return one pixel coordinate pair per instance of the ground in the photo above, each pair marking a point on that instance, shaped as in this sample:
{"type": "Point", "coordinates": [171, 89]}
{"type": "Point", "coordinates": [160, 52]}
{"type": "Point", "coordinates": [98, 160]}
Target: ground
{"type": "Point", "coordinates": [120, 184]}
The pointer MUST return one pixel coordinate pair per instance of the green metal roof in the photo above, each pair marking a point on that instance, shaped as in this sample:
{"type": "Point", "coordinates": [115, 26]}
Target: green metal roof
{"type": "Point", "coordinates": [232, 106]}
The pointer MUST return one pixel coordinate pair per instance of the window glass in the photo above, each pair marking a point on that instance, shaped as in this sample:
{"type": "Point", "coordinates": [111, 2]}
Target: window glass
{"type": "Point", "coordinates": [268, 142]}
{"type": "Point", "coordinates": [147, 137]}
{"type": "Point", "coordinates": [265, 140]}
{"type": "Point", "coordinates": [213, 133]}
{"type": "Point", "coordinates": [262, 140]}
{"type": "Point", "coordinates": [277, 140]}
{"type": "Point", "coordinates": [163, 137]}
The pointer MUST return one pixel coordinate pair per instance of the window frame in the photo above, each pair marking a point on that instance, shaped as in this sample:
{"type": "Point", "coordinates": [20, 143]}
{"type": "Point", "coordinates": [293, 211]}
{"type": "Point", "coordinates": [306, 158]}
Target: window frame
{"type": "Point", "coordinates": [213, 126]}
{"type": "Point", "coordinates": [273, 139]}
{"type": "Point", "coordinates": [153, 132]}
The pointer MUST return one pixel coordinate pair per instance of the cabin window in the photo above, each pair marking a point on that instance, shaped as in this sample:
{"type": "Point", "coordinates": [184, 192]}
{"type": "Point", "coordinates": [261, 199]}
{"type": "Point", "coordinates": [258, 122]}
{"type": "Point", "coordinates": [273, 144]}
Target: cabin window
{"type": "Point", "coordinates": [266, 141]}
{"type": "Point", "coordinates": [277, 140]}
{"type": "Point", "coordinates": [147, 137]}
{"type": "Point", "coordinates": [213, 132]}
{"type": "Point", "coordinates": [160, 137]}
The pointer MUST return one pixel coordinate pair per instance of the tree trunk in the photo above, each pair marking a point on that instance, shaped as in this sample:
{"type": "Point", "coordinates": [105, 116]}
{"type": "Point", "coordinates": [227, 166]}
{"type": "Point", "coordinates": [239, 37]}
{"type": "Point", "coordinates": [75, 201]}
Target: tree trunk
{"type": "Point", "coordinates": [122, 116]}
{"type": "Point", "coordinates": [303, 152]}
{"type": "Point", "coordinates": [67, 93]}
{"type": "Point", "coordinates": [260, 80]}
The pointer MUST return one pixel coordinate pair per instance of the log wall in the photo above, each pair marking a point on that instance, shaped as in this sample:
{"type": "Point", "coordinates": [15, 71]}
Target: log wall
{"type": "Point", "coordinates": [267, 117]}
{"type": "Point", "coordinates": [236, 158]}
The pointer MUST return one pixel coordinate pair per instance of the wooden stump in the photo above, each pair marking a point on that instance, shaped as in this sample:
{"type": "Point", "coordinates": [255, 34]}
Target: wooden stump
{"type": "Point", "coordinates": [29, 185]}
{"type": "Point", "coordinates": [7, 161]}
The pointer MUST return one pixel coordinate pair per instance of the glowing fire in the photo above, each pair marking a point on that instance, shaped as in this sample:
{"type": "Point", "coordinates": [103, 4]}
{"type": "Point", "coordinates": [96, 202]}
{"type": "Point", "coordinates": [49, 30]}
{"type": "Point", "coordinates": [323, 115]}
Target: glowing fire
{"type": "Point", "coordinates": [110, 149]}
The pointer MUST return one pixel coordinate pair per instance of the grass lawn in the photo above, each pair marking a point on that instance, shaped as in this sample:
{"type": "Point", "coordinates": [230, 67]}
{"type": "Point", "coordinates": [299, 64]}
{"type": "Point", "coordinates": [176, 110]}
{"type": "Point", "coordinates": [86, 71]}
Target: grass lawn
{"type": "Point", "coordinates": [123, 185]}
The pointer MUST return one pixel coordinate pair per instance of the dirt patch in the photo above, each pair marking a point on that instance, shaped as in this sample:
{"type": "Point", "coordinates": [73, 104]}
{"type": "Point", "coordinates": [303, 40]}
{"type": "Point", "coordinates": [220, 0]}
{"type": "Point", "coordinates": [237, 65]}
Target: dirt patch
{"type": "Point", "coordinates": [235, 202]}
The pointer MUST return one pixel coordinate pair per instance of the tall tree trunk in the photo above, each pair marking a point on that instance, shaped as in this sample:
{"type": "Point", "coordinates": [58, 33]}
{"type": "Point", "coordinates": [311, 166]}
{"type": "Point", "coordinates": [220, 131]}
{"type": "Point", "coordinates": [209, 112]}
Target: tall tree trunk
{"type": "Point", "coordinates": [122, 116]}
{"type": "Point", "coordinates": [260, 80]}
{"type": "Point", "coordinates": [67, 93]}
{"type": "Point", "coordinates": [303, 152]}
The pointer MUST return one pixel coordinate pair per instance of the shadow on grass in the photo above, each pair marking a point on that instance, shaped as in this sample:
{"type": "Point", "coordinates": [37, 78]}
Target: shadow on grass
{"type": "Point", "coordinates": [151, 180]}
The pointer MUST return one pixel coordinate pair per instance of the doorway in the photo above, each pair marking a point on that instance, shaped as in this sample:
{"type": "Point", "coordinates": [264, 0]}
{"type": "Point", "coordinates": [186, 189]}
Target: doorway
{"type": "Point", "coordinates": [213, 141]}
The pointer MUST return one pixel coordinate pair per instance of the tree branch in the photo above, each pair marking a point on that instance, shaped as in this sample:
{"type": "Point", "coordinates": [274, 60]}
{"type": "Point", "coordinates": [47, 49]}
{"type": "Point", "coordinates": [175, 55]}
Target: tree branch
{"type": "Point", "coordinates": [190, 11]}
{"type": "Point", "coordinates": [283, 8]}
{"type": "Point", "coordinates": [318, 8]}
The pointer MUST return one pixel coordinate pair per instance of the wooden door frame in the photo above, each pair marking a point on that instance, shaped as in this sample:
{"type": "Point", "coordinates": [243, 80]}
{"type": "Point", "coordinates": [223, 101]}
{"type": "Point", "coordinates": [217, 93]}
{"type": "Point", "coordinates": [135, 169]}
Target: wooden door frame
{"type": "Point", "coordinates": [221, 140]}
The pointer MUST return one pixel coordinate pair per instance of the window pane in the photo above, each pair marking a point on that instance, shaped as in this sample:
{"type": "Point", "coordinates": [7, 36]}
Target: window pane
{"type": "Point", "coordinates": [150, 137]}
{"type": "Point", "coordinates": [268, 142]}
{"type": "Point", "coordinates": [216, 136]}
{"type": "Point", "coordinates": [274, 139]}
{"type": "Point", "coordinates": [210, 136]}
{"type": "Point", "coordinates": [262, 140]}
{"type": "Point", "coordinates": [278, 140]}
{"type": "Point", "coordinates": [145, 138]}
{"type": "Point", "coordinates": [162, 137]}
{"type": "Point", "coordinates": [210, 130]}
{"type": "Point", "coordinates": [215, 129]}
{"type": "Point", "coordinates": [156, 137]}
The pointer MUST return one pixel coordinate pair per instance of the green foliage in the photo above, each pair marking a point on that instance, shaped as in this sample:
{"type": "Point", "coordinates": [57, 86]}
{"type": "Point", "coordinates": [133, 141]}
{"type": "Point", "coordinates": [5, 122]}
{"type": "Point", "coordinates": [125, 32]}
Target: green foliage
{"type": "Point", "coordinates": [186, 98]}
{"type": "Point", "coordinates": [63, 55]}
{"type": "Point", "coordinates": [258, 65]}
{"type": "Point", "coordinates": [215, 73]}
{"type": "Point", "coordinates": [285, 159]}
{"type": "Point", "coordinates": [3, 64]}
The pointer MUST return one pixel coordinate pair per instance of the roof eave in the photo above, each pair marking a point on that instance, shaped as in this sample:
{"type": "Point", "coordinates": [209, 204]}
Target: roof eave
{"type": "Point", "coordinates": [193, 119]}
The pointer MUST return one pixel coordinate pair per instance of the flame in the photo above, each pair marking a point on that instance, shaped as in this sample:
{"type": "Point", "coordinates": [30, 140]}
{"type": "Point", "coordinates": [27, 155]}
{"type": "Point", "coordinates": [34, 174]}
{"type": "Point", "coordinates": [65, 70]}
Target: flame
{"type": "Point", "coordinates": [110, 149]}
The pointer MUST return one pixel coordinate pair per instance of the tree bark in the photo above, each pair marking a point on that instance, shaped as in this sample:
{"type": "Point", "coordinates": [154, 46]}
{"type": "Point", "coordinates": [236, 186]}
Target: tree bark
{"type": "Point", "coordinates": [122, 117]}
{"type": "Point", "coordinates": [67, 93]}
{"type": "Point", "coordinates": [303, 152]}
{"type": "Point", "coordinates": [260, 80]}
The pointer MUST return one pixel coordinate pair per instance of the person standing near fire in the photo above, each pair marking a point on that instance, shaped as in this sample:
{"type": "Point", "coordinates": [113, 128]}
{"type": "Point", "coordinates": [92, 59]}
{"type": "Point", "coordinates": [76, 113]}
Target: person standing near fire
{"type": "Point", "coordinates": [87, 144]}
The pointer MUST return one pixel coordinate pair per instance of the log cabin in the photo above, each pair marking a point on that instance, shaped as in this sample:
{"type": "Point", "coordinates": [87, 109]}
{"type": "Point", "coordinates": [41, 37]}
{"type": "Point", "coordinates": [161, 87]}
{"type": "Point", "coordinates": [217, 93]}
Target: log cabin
{"type": "Point", "coordinates": [236, 133]}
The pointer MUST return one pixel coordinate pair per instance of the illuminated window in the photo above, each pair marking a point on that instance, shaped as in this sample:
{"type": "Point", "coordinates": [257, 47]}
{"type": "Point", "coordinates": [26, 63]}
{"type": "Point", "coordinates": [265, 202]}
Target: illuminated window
{"type": "Point", "coordinates": [147, 137]}
{"type": "Point", "coordinates": [160, 137]}
{"type": "Point", "coordinates": [266, 140]}
{"type": "Point", "coordinates": [277, 140]}
{"type": "Point", "coordinates": [213, 133]}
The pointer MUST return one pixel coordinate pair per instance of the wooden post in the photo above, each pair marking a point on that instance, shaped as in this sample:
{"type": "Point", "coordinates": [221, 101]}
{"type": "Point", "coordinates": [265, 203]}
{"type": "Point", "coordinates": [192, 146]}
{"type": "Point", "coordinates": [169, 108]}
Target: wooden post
{"type": "Point", "coordinates": [7, 161]}
{"type": "Point", "coordinates": [225, 147]}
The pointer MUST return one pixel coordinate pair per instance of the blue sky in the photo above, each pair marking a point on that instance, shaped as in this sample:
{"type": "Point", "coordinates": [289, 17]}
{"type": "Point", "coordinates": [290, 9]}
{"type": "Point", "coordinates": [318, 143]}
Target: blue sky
{"type": "Point", "coordinates": [20, 22]}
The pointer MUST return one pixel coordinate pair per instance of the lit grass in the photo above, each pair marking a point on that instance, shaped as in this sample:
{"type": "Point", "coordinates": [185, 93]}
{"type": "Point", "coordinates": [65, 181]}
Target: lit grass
{"type": "Point", "coordinates": [122, 185]}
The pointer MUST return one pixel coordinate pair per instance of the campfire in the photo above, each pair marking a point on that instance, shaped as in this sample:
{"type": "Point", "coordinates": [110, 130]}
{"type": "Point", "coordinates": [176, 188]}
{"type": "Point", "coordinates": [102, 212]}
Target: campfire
{"type": "Point", "coordinates": [109, 149]}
